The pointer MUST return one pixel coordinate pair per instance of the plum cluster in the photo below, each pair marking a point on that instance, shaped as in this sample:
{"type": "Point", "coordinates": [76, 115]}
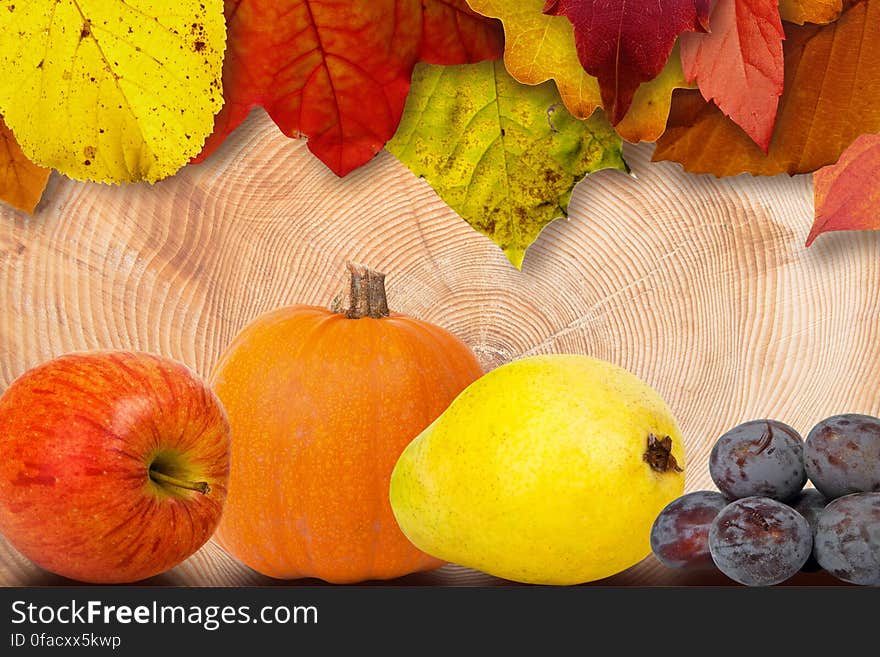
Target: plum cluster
{"type": "Point", "coordinates": [764, 526]}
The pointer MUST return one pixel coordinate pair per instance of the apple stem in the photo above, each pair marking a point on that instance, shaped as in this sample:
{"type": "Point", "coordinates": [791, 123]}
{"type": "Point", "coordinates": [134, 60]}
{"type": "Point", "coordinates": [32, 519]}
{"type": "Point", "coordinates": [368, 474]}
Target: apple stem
{"type": "Point", "coordinates": [162, 478]}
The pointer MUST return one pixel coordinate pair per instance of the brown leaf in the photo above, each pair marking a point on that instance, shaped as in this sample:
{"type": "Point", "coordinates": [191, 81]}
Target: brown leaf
{"type": "Point", "coordinates": [810, 11]}
{"type": "Point", "coordinates": [830, 98]}
{"type": "Point", "coordinates": [848, 193]}
{"type": "Point", "coordinates": [21, 181]}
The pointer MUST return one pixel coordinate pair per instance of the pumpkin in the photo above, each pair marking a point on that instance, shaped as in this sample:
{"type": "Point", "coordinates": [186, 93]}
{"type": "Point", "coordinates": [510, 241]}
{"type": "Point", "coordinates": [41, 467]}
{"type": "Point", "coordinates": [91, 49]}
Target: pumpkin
{"type": "Point", "coordinates": [322, 403]}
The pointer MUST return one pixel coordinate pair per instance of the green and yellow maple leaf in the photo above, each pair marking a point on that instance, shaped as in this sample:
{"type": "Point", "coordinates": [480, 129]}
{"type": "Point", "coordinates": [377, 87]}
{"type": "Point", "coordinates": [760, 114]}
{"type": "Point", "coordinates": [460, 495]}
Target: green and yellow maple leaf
{"type": "Point", "coordinates": [111, 90]}
{"type": "Point", "coordinates": [504, 155]}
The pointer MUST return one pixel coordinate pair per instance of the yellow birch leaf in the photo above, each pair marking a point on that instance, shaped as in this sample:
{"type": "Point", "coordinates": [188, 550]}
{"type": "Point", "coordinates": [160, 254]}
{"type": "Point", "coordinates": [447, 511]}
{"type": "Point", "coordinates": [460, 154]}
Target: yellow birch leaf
{"type": "Point", "coordinates": [540, 48]}
{"type": "Point", "coordinates": [111, 90]}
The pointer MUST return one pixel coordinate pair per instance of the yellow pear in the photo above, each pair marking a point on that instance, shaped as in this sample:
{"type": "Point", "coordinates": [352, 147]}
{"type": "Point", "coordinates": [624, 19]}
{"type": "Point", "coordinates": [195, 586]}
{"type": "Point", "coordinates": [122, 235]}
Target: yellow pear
{"type": "Point", "coordinates": [547, 470]}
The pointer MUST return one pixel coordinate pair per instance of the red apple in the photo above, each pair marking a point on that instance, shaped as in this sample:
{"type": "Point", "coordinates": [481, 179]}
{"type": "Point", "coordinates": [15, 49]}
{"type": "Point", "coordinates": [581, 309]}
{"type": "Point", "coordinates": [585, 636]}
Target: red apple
{"type": "Point", "coordinates": [113, 465]}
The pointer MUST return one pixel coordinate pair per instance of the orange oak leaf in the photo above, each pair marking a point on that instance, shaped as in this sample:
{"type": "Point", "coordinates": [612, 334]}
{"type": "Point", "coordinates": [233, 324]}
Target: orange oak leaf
{"type": "Point", "coordinates": [830, 98]}
{"type": "Point", "coordinates": [848, 193]}
{"type": "Point", "coordinates": [21, 181]}
{"type": "Point", "coordinates": [739, 64]}
{"type": "Point", "coordinates": [338, 71]}
{"type": "Point", "coordinates": [810, 11]}
{"type": "Point", "coordinates": [626, 43]}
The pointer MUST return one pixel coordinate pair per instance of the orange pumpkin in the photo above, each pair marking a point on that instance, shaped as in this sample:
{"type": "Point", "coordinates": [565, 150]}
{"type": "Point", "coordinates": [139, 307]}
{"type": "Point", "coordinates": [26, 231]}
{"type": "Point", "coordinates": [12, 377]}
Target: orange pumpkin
{"type": "Point", "coordinates": [322, 403]}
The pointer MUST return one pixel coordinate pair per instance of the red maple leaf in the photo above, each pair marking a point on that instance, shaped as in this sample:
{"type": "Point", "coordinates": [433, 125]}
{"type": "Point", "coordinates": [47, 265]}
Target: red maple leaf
{"type": "Point", "coordinates": [338, 71]}
{"type": "Point", "coordinates": [739, 65]}
{"type": "Point", "coordinates": [624, 43]}
{"type": "Point", "coordinates": [848, 192]}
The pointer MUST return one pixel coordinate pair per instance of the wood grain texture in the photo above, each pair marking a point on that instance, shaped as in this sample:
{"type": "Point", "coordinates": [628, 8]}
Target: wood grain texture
{"type": "Point", "coordinates": [701, 287]}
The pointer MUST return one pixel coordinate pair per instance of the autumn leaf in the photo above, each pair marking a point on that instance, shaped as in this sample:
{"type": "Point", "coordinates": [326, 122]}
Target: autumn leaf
{"type": "Point", "coordinates": [739, 64]}
{"type": "Point", "coordinates": [339, 72]}
{"type": "Point", "coordinates": [111, 91]}
{"type": "Point", "coordinates": [21, 181]}
{"type": "Point", "coordinates": [646, 118]}
{"type": "Point", "coordinates": [830, 98]}
{"type": "Point", "coordinates": [624, 44]}
{"type": "Point", "coordinates": [505, 156]}
{"type": "Point", "coordinates": [848, 192]}
{"type": "Point", "coordinates": [810, 11]}
{"type": "Point", "coordinates": [539, 47]}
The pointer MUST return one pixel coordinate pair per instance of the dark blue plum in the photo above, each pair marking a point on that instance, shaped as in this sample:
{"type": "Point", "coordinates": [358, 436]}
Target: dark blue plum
{"type": "Point", "coordinates": [842, 455]}
{"type": "Point", "coordinates": [758, 541]}
{"type": "Point", "coordinates": [761, 457]}
{"type": "Point", "coordinates": [680, 535]}
{"type": "Point", "coordinates": [848, 538]}
{"type": "Point", "coordinates": [810, 503]}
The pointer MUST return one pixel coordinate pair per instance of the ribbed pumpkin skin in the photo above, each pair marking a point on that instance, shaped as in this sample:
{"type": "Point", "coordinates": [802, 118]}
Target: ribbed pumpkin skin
{"type": "Point", "coordinates": [321, 407]}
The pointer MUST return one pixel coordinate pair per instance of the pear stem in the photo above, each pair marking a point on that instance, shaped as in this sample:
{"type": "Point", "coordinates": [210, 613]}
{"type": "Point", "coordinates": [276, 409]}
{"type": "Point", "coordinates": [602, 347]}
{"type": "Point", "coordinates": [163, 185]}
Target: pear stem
{"type": "Point", "coordinates": [162, 478]}
{"type": "Point", "coordinates": [659, 454]}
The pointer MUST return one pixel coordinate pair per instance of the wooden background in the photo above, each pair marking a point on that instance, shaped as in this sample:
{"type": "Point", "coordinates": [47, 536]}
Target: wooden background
{"type": "Point", "coordinates": [701, 287]}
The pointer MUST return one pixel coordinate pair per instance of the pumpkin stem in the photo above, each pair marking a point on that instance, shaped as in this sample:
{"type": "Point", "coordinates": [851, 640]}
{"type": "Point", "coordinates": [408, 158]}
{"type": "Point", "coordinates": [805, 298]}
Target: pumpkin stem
{"type": "Point", "coordinates": [367, 293]}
